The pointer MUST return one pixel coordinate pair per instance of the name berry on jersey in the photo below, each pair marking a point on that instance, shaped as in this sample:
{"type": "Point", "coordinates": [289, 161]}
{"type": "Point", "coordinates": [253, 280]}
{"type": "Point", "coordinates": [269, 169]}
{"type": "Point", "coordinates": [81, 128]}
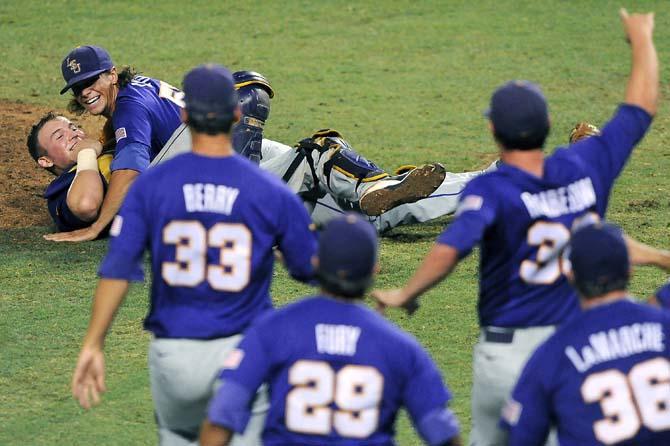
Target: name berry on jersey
{"type": "Point", "coordinates": [617, 343]}
{"type": "Point", "coordinates": [552, 203]}
{"type": "Point", "coordinates": [208, 197]}
{"type": "Point", "coordinates": [337, 339]}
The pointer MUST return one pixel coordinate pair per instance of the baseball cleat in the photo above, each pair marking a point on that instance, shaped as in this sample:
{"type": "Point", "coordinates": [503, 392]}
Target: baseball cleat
{"type": "Point", "coordinates": [417, 184]}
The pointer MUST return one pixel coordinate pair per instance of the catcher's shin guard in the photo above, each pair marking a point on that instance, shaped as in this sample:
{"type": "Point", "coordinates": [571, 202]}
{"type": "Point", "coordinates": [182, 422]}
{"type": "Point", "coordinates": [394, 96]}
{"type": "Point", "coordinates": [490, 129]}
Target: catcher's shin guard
{"type": "Point", "coordinates": [345, 160]}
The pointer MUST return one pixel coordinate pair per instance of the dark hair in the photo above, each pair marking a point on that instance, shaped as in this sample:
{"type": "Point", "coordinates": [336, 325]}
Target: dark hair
{"type": "Point", "coordinates": [32, 142]}
{"type": "Point", "coordinates": [336, 286]}
{"type": "Point", "coordinates": [515, 143]}
{"type": "Point", "coordinates": [596, 288]}
{"type": "Point", "coordinates": [202, 123]}
{"type": "Point", "coordinates": [126, 75]}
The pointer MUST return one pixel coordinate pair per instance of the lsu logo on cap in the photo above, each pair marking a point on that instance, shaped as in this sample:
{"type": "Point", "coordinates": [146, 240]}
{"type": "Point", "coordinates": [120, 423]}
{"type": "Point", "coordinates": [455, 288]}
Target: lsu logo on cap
{"type": "Point", "coordinates": [120, 133]}
{"type": "Point", "coordinates": [73, 65]}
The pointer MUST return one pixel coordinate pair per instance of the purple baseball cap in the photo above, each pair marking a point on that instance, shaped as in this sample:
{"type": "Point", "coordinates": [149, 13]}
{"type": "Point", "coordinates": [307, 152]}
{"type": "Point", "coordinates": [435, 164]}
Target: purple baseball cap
{"type": "Point", "coordinates": [84, 62]}
{"type": "Point", "coordinates": [520, 115]}
{"type": "Point", "coordinates": [348, 252]}
{"type": "Point", "coordinates": [599, 258]}
{"type": "Point", "coordinates": [210, 89]}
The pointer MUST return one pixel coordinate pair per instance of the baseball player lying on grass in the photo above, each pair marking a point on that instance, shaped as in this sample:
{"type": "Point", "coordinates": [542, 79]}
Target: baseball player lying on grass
{"type": "Point", "coordinates": [324, 170]}
{"type": "Point", "coordinates": [144, 116]}
{"type": "Point", "coordinates": [330, 175]}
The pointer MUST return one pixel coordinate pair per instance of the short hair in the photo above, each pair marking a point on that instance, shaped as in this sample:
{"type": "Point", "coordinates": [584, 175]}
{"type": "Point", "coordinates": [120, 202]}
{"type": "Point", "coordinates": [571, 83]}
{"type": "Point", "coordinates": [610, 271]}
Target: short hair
{"type": "Point", "coordinates": [126, 75]}
{"type": "Point", "coordinates": [201, 123]}
{"type": "Point", "coordinates": [32, 141]}
{"type": "Point", "coordinates": [513, 143]}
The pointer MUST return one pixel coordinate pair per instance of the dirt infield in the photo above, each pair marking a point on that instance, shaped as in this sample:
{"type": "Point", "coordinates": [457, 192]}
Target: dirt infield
{"type": "Point", "coordinates": [22, 181]}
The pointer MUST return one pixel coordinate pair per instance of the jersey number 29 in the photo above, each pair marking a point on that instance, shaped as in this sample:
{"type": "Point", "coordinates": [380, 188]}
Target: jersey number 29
{"type": "Point", "coordinates": [356, 391]}
{"type": "Point", "coordinates": [192, 240]}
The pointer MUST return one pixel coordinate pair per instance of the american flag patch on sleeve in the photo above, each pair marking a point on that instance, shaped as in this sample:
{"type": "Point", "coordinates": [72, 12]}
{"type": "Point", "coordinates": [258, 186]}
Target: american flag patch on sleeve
{"type": "Point", "coordinates": [120, 133]}
{"type": "Point", "coordinates": [233, 359]}
{"type": "Point", "coordinates": [470, 203]}
{"type": "Point", "coordinates": [115, 229]}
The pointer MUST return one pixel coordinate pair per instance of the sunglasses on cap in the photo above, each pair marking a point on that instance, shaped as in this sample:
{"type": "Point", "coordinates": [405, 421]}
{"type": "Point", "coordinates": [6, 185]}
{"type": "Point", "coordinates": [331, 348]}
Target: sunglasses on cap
{"type": "Point", "coordinates": [83, 85]}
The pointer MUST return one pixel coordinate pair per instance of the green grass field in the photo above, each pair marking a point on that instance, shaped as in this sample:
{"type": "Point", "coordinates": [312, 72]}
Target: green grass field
{"type": "Point", "coordinates": [405, 82]}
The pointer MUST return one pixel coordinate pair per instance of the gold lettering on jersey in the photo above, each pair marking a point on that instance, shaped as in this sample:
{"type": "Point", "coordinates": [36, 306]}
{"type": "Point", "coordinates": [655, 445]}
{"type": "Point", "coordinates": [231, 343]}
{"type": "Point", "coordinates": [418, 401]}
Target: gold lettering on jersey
{"type": "Point", "coordinates": [552, 203]}
{"type": "Point", "coordinates": [207, 197]}
{"type": "Point", "coordinates": [617, 343]}
{"type": "Point", "coordinates": [337, 339]}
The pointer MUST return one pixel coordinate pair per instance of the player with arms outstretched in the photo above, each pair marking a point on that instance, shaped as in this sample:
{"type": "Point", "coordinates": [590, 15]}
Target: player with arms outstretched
{"type": "Point", "coordinates": [338, 373]}
{"type": "Point", "coordinates": [210, 219]}
{"type": "Point", "coordinates": [521, 216]}
{"type": "Point", "coordinates": [604, 377]}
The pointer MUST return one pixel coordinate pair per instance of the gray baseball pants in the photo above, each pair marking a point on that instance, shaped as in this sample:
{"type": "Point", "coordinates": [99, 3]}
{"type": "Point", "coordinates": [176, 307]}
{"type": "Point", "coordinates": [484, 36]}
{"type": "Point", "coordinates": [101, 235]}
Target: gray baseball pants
{"type": "Point", "coordinates": [183, 375]}
{"type": "Point", "coordinates": [278, 157]}
{"type": "Point", "coordinates": [499, 358]}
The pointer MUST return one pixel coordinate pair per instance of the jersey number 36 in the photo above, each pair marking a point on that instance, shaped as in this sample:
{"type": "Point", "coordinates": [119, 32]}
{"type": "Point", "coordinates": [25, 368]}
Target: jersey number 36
{"type": "Point", "coordinates": [192, 240]}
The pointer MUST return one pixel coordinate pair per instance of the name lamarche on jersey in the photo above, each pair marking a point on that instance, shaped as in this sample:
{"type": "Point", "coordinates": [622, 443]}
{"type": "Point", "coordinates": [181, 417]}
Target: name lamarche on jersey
{"type": "Point", "coordinates": [208, 197]}
{"type": "Point", "coordinates": [617, 343]}
{"type": "Point", "coordinates": [552, 203]}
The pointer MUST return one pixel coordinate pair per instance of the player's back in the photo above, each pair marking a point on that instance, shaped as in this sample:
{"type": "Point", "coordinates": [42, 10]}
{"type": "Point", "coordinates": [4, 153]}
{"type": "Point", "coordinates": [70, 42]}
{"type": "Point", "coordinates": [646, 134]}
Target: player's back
{"type": "Point", "coordinates": [522, 223]}
{"type": "Point", "coordinates": [608, 374]}
{"type": "Point", "coordinates": [522, 281]}
{"type": "Point", "coordinates": [214, 222]}
{"type": "Point", "coordinates": [341, 373]}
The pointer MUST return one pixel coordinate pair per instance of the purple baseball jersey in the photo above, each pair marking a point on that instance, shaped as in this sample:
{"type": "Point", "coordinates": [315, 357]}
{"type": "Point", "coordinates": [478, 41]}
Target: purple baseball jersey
{"type": "Point", "coordinates": [210, 225]}
{"type": "Point", "coordinates": [523, 222]}
{"type": "Point", "coordinates": [146, 114]}
{"type": "Point", "coordinates": [602, 378]}
{"type": "Point", "coordinates": [338, 374]}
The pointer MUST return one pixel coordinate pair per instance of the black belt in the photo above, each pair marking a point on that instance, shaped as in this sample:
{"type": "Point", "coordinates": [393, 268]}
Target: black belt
{"type": "Point", "coordinates": [499, 335]}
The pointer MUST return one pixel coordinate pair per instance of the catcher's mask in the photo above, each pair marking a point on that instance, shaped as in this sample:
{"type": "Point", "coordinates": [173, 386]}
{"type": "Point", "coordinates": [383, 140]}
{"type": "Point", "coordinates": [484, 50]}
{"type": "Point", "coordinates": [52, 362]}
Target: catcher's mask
{"type": "Point", "coordinates": [254, 92]}
{"type": "Point", "coordinates": [347, 256]}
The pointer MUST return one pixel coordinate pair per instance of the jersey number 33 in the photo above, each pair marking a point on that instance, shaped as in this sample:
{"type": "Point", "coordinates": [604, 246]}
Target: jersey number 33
{"type": "Point", "coordinates": [231, 269]}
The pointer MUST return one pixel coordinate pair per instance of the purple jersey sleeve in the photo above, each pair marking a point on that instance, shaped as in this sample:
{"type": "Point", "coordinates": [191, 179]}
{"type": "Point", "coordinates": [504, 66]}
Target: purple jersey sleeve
{"type": "Point", "coordinates": [244, 370]}
{"type": "Point", "coordinates": [663, 296]}
{"type": "Point", "coordinates": [129, 236]}
{"type": "Point", "coordinates": [425, 391]}
{"type": "Point", "coordinates": [132, 129]}
{"type": "Point", "coordinates": [476, 212]}
{"type": "Point", "coordinates": [607, 154]}
{"type": "Point", "coordinates": [527, 414]}
{"type": "Point", "coordinates": [298, 241]}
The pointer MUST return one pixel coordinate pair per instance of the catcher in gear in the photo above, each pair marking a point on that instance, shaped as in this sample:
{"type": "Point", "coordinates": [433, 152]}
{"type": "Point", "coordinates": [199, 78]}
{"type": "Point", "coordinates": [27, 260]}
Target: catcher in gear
{"type": "Point", "coordinates": [329, 174]}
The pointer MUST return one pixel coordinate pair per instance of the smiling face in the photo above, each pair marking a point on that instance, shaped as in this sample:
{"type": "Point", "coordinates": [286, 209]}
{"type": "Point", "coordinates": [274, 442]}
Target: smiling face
{"type": "Point", "coordinates": [58, 137]}
{"type": "Point", "coordinates": [98, 94]}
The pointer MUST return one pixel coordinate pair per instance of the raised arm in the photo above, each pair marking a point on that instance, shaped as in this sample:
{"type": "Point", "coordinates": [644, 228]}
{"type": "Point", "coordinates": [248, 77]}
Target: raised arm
{"type": "Point", "coordinates": [643, 84]}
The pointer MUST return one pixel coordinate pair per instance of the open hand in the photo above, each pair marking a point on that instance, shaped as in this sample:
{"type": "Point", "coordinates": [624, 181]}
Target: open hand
{"type": "Point", "coordinates": [88, 380]}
